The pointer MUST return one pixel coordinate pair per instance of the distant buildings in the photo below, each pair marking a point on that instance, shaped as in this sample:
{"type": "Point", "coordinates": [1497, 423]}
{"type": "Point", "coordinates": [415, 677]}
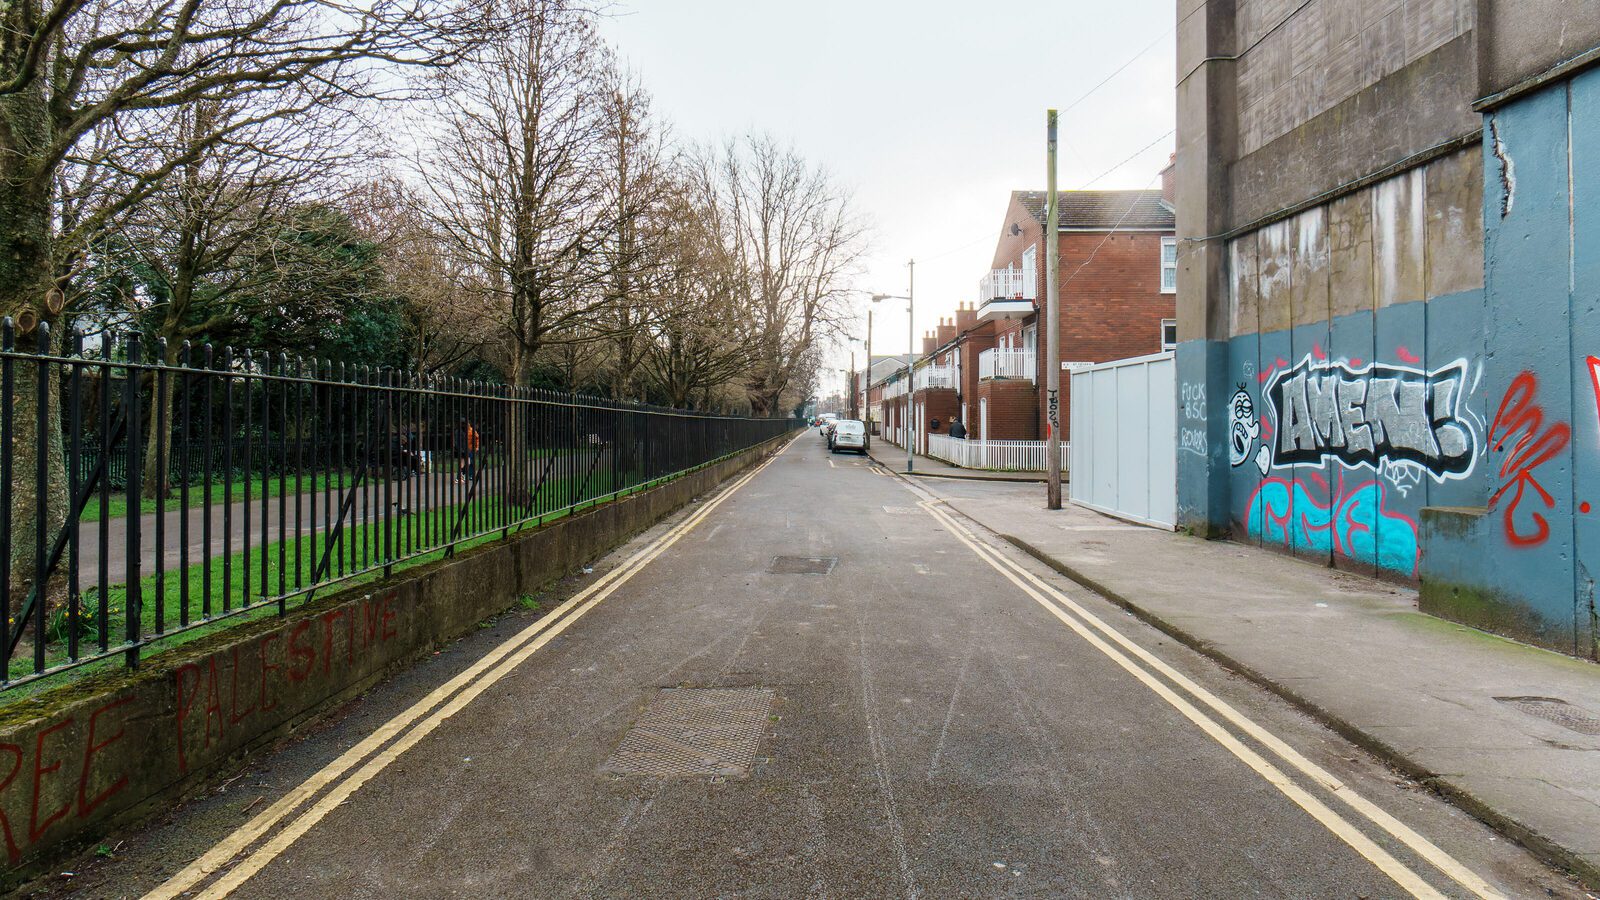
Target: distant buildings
{"type": "Point", "coordinates": [985, 365]}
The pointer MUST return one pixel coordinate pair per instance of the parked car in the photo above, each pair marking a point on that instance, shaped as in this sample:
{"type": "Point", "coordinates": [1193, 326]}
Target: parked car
{"type": "Point", "coordinates": [825, 424]}
{"type": "Point", "coordinates": [849, 434]}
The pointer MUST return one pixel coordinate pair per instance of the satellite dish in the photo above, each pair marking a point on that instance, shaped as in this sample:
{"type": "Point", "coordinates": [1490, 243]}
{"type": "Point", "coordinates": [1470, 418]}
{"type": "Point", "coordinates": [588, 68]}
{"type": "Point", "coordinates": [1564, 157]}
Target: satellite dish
{"type": "Point", "coordinates": [1015, 229]}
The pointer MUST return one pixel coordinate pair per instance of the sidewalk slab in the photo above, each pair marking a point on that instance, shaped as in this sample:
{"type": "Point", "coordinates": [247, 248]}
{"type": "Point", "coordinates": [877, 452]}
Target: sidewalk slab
{"type": "Point", "coordinates": [1442, 702]}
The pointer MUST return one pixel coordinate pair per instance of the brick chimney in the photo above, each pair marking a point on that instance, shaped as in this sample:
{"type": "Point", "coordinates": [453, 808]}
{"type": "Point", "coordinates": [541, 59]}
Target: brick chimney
{"type": "Point", "coordinates": [966, 317]}
{"type": "Point", "coordinates": [1167, 178]}
{"type": "Point", "coordinates": [946, 332]}
{"type": "Point", "coordinates": [928, 343]}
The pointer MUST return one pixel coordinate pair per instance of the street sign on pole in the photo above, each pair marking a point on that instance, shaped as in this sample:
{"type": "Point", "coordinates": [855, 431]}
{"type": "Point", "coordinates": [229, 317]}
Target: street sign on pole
{"type": "Point", "coordinates": [1052, 377]}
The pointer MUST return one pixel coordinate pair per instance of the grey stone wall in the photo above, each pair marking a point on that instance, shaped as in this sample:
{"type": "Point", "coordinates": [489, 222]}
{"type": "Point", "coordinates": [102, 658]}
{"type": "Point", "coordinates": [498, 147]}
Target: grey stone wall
{"type": "Point", "coordinates": [1522, 38]}
{"type": "Point", "coordinates": [1298, 60]}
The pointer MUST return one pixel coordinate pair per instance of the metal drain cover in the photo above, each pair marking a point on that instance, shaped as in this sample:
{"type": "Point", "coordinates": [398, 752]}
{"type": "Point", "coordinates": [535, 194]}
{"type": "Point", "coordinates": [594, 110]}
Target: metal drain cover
{"type": "Point", "coordinates": [1552, 709]}
{"type": "Point", "coordinates": [694, 731]}
{"type": "Point", "coordinates": [802, 565]}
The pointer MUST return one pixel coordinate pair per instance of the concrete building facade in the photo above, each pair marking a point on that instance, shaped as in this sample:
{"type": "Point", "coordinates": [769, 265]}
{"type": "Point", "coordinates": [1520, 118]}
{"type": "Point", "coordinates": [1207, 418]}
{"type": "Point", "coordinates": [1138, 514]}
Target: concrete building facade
{"type": "Point", "coordinates": [1388, 268]}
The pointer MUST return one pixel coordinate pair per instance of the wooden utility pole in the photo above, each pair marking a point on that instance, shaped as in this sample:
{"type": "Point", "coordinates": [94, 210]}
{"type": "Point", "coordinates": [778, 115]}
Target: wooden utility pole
{"type": "Point", "coordinates": [1052, 372]}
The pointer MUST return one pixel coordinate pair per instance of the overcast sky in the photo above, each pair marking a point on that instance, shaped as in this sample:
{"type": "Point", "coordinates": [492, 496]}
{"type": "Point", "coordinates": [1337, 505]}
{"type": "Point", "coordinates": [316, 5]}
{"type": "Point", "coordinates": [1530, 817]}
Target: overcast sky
{"type": "Point", "coordinates": [930, 112]}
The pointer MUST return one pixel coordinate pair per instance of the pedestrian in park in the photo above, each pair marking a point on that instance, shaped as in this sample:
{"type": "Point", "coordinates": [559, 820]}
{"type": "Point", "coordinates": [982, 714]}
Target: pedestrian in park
{"type": "Point", "coordinates": [467, 443]}
{"type": "Point", "coordinates": [957, 430]}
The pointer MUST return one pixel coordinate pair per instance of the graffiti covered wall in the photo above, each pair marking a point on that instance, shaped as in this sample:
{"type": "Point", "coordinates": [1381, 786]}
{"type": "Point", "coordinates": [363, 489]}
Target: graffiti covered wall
{"type": "Point", "coordinates": [1412, 378]}
{"type": "Point", "coordinates": [1354, 371]}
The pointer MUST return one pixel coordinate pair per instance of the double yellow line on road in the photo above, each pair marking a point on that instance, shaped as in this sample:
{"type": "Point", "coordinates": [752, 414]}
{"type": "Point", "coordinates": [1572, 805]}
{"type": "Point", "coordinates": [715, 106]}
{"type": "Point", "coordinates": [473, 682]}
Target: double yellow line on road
{"type": "Point", "coordinates": [336, 782]}
{"type": "Point", "coordinates": [1143, 666]}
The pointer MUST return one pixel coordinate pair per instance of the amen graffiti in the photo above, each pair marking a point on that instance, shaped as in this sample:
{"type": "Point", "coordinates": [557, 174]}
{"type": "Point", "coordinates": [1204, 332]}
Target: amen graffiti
{"type": "Point", "coordinates": [1366, 416]}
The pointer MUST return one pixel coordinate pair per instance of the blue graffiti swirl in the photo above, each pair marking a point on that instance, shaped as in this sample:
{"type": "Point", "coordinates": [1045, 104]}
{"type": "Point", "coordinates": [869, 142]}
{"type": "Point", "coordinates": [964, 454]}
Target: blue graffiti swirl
{"type": "Point", "coordinates": [1356, 524]}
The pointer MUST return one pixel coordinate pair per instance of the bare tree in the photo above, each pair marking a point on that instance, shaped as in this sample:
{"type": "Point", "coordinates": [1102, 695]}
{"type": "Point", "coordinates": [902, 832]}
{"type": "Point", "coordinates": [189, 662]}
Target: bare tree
{"type": "Point", "coordinates": [72, 70]}
{"type": "Point", "coordinates": [693, 343]}
{"type": "Point", "coordinates": [636, 182]}
{"type": "Point", "coordinates": [515, 175]}
{"type": "Point", "coordinates": [794, 243]}
{"type": "Point", "coordinates": [443, 299]}
{"type": "Point", "coordinates": [205, 237]}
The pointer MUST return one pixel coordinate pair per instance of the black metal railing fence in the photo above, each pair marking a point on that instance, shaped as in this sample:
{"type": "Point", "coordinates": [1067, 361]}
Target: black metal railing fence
{"type": "Point", "coordinates": [231, 482]}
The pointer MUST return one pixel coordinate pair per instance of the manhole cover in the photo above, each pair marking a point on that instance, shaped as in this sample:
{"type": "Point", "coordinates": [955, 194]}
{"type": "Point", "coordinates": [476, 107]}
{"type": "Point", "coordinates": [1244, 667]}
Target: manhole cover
{"type": "Point", "coordinates": [802, 565]}
{"type": "Point", "coordinates": [694, 731]}
{"type": "Point", "coordinates": [1558, 711]}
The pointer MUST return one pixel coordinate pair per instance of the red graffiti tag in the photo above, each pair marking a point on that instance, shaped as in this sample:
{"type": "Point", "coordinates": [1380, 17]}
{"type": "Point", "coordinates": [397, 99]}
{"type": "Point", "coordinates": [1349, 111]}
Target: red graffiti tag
{"type": "Point", "coordinates": [217, 697]}
{"type": "Point", "coordinates": [1520, 418]}
{"type": "Point", "coordinates": [1594, 379]}
{"type": "Point", "coordinates": [53, 749]}
{"type": "Point", "coordinates": [1406, 356]}
{"type": "Point", "coordinates": [1279, 363]}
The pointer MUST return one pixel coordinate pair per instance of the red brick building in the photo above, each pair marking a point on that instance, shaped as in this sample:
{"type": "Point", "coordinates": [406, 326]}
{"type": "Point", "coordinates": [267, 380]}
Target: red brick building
{"type": "Point", "coordinates": [1118, 282]}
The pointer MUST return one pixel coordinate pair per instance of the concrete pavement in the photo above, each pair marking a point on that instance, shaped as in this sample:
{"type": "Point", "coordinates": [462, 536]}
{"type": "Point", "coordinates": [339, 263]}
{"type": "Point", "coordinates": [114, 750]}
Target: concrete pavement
{"type": "Point", "coordinates": [907, 707]}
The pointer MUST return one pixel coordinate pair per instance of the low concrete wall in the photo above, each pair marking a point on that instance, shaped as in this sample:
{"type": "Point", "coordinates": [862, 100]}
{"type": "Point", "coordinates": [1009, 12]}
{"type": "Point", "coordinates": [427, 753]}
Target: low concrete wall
{"type": "Point", "coordinates": [103, 750]}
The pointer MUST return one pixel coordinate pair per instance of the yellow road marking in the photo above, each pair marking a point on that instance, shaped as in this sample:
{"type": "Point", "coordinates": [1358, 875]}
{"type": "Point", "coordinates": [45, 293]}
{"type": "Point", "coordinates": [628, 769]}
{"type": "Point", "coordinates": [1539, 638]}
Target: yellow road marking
{"type": "Point", "coordinates": [469, 683]}
{"type": "Point", "coordinates": [1038, 589]}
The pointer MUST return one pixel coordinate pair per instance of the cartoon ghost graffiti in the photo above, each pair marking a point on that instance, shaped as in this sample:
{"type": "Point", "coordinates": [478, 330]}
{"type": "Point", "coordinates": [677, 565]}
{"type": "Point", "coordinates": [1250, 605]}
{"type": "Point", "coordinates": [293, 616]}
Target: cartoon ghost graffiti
{"type": "Point", "coordinates": [1243, 429]}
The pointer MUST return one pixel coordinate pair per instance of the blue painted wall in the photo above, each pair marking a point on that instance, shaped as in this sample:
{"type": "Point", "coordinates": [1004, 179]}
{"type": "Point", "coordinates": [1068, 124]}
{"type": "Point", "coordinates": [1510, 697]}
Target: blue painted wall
{"type": "Point", "coordinates": [1424, 431]}
{"type": "Point", "coordinates": [1525, 563]}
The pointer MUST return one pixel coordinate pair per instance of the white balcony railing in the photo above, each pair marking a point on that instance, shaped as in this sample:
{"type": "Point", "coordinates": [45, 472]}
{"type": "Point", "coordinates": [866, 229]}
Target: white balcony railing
{"type": "Point", "coordinates": [1007, 284]}
{"type": "Point", "coordinates": [935, 377]}
{"type": "Point", "coordinates": [893, 389]}
{"type": "Point", "coordinates": [998, 363]}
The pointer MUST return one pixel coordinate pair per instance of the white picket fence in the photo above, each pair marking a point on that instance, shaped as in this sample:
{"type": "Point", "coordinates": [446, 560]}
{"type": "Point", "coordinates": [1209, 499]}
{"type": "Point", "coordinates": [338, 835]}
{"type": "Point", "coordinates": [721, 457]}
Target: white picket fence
{"type": "Point", "coordinates": [1009, 456]}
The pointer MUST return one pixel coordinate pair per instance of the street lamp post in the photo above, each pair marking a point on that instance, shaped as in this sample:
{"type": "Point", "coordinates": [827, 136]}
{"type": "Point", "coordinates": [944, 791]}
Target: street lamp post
{"type": "Point", "coordinates": [911, 354]}
{"type": "Point", "coordinates": [866, 391]}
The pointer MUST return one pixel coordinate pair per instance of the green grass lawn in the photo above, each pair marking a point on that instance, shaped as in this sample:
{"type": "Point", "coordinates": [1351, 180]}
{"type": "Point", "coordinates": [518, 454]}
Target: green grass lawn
{"type": "Point", "coordinates": [358, 556]}
{"type": "Point", "coordinates": [117, 507]}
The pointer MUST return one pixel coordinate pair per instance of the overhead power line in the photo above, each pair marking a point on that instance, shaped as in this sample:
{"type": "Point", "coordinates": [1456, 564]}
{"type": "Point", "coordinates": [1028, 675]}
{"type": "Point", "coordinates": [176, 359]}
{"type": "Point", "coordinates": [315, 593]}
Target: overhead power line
{"type": "Point", "coordinates": [1131, 60]}
{"type": "Point", "coordinates": [1138, 153]}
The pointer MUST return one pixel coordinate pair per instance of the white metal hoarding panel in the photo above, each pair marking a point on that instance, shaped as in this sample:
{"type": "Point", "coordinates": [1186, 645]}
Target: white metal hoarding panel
{"type": "Point", "coordinates": [1124, 439]}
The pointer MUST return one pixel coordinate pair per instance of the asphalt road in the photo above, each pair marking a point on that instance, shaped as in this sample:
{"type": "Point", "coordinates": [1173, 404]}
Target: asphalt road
{"type": "Point", "coordinates": [930, 728]}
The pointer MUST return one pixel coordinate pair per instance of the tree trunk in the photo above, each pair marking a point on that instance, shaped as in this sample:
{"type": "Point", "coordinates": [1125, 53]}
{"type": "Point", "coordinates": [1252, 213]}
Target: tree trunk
{"type": "Point", "coordinates": [157, 480]}
{"type": "Point", "coordinates": [762, 403]}
{"type": "Point", "coordinates": [521, 467]}
{"type": "Point", "coordinates": [25, 282]}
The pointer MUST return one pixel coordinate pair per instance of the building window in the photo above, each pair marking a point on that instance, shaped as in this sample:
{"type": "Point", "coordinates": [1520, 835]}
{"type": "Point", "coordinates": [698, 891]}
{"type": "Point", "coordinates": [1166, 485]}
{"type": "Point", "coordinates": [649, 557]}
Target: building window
{"type": "Point", "coordinates": [1169, 265]}
{"type": "Point", "coordinates": [1169, 334]}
